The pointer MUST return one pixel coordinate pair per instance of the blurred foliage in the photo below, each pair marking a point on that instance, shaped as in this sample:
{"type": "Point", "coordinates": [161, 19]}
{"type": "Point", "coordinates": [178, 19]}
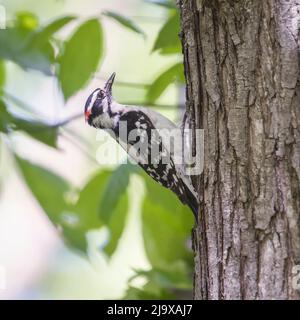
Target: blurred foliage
{"type": "Point", "coordinates": [2, 75]}
{"type": "Point", "coordinates": [164, 3]}
{"type": "Point", "coordinates": [125, 22]}
{"type": "Point", "coordinates": [80, 57]}
{"type": "Point", "coordinates": [167, 222]}
{"type": "Point", "coordinates": [161, 83]}
{"type": "Point", "coordinates": [36, 129]}
{"type": "Point", "coordinates": [167, 41]}
{"type": "Point", "coordinates": [160, 283]}
{"type": "Point", "coordinates": [103, 201]}
{"type": "Point", "coordinates": [19, 44]}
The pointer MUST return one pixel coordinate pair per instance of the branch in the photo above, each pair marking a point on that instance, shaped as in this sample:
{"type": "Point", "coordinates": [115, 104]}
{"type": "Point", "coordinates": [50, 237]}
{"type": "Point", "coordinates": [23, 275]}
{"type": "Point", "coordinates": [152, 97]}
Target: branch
{"type": "Point", "coordinates": [69, 136]}
{"type": "Point", "coordinates": [66, 121]}
{"type": "Point", "coordinates": [150, 104]}
{"type": "Point", "coordinates": [80, 115]}
{"type": "Point", "coordinates": [16, 100]}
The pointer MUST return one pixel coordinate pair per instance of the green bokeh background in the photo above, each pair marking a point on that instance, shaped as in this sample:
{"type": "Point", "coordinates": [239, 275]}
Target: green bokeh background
{"type": "Point", "coordinates": [73, 226]}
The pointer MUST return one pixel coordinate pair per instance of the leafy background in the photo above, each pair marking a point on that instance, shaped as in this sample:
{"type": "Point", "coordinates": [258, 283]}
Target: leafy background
{"type": "Point", "coordinates": [71, 226]}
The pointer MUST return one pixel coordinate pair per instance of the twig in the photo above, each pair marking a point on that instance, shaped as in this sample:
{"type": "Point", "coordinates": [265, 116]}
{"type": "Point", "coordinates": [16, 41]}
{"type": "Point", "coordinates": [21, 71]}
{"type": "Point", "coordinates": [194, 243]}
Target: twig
{"type": "Point", "coordinates": [67, 121]}
{"type": "Point", "coordinates": [79, 137]}
{"type": "Point", "coordinates": [78, 146]}
{"type": "Point", "coordinates": [17, 101]}
{"type": "Point", "coordinates": [149, 104]}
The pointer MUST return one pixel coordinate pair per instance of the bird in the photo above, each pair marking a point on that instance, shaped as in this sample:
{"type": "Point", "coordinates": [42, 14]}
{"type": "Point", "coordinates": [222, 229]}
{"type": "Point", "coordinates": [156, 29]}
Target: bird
{"type": "Point", "coordinates": [146, 140]}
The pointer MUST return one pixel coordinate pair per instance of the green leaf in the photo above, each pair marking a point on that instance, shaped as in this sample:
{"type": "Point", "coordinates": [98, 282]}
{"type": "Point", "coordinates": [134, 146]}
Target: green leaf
{"type": "Point", "coordinates": [164, 80]}
{"type": "Point", "coordinates": [115, 188]}
{"type": "Point", "coordinates": [28, 46]}
{"type": "Point", "coordinates": [75, 218]}
{"type": "Point", "coordinates": [2, 76]}
{"type": "Point", "coordinates": [81, 57]}
{"type": "Point", "coordinates": [27, 20]}
{"type": "Point", "coordinates": [12, 42]}
{"type": "Point", "coordinates": [5, 118]}
{"type": "Point", "coordinates": [164, 3]}
{"type": "Point", "coordinates": [51, 191]}
{"type": "Point", "coordinates": [37, 58]}
{"type": "Point", "coordinates": [89, 203]}
{"type": "Point", "coordinates": [176, 277]}
{"type": "Point", "coordinates": [168, 40]}
{"type": "Point", "coordinates": [14, 46]}
{"type": "Point", "coordinates": [48, 188]}
{"type": "Point", "coordinates": [167, 225]}
{"type": "Point", "coordinates": [89, 200]}
{"type": "Point", "coordinates": [38, 130]}
{"type": "Point", "coordinates": [148, 292]}
{"type": "Point", "coordinates": [45, 33]}
{"type": "Point", "coordinates": [117, 224]}
{"type": "Point", "coordinates": [114, 204]}
{"type": "Point", "coordinates": [124, 21]}
{"type": "Point", "coordinates": [85, 211]}
{"type": "Point", "coordinates": [82, 215]}
{"type": "Point", "coordinates": [40, 39]}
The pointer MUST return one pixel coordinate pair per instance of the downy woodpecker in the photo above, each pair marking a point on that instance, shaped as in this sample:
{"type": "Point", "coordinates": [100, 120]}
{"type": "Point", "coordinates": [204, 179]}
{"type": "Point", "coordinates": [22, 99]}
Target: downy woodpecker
{"type": "Point", "coordinates": [146, 139]}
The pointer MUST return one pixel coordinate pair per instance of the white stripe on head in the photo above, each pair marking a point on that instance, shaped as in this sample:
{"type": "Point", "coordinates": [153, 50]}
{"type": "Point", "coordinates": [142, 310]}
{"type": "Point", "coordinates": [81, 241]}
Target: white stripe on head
{"type": "Point", "coordinates": [93, 97]}
{"type": "Point", "coordinates": [105, 105]}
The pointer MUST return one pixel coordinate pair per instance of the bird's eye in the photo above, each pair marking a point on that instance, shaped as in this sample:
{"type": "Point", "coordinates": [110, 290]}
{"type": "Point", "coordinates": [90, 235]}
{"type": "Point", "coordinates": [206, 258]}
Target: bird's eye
{"type": "Point", "coordinates": [101, 94]}
{"type": "Point", "coordinates": [98, 102]}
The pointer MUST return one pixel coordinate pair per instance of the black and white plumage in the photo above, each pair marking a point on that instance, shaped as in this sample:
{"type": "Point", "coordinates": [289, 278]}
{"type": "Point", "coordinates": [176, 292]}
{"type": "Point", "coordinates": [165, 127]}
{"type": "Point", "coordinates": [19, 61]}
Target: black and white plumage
{"type": "Point", "coordinates": [151, 132]}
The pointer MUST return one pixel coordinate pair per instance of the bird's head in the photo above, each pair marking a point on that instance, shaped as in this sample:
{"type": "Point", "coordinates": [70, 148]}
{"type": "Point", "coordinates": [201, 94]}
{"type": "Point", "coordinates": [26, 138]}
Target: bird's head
{"type": "Point", "coordinates": [99, 101]}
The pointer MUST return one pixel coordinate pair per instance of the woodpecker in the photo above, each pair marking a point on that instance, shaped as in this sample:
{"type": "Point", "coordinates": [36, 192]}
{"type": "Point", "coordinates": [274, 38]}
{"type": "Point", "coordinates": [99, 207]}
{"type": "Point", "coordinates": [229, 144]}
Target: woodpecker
{"type": "Point", "coordinates": [151, 132]}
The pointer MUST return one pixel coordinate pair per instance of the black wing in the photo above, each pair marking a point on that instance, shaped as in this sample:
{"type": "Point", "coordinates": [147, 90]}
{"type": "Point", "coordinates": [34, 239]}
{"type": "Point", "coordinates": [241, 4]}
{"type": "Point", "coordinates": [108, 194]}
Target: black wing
{"type": "Point", "coordinates": [153, 157]}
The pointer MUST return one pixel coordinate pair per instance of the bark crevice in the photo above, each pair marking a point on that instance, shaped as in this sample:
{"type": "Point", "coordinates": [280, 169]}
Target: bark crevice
{"type": "Point", "coordinates": [243, 88]}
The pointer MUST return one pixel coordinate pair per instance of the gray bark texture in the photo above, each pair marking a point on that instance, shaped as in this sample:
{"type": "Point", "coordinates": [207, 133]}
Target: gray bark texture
{"type": "Point", "coordinates": [241, 62]}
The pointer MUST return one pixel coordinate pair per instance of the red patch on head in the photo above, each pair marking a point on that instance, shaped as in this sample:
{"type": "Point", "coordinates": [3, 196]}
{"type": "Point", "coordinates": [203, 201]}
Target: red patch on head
{"type": "Point", "coordinates": [87, 115]}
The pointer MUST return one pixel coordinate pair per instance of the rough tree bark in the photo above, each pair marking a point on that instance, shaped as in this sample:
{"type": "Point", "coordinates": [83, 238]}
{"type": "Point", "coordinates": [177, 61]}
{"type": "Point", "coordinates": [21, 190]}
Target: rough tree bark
{"type": "Point", "coordinates": [242, 69]}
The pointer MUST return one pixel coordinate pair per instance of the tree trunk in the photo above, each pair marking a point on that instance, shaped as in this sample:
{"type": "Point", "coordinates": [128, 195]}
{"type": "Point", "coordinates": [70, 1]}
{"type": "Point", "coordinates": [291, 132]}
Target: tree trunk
{"type": "Point", "coordinates": [242, 70]}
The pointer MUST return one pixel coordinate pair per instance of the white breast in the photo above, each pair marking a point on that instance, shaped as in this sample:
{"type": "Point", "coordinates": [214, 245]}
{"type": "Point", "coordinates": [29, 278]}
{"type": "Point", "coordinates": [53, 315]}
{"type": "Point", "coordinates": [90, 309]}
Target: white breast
{"type": "Point", "coordinates": [103, 121]}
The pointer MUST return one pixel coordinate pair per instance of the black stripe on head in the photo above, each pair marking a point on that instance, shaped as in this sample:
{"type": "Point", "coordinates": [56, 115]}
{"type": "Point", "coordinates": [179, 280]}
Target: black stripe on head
{"type": "Point", "coordinates": [89, 100]}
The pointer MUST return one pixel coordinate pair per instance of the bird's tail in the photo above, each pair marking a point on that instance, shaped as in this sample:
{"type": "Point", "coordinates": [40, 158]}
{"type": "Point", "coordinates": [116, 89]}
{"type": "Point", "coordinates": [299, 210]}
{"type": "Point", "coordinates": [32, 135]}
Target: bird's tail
{"type": "Point", "coordinates": [192, 202]}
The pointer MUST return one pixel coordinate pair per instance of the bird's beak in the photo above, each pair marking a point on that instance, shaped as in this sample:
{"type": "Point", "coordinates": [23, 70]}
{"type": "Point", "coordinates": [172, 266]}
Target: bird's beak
{"type": "Point", "coordinates": [109, 83]}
